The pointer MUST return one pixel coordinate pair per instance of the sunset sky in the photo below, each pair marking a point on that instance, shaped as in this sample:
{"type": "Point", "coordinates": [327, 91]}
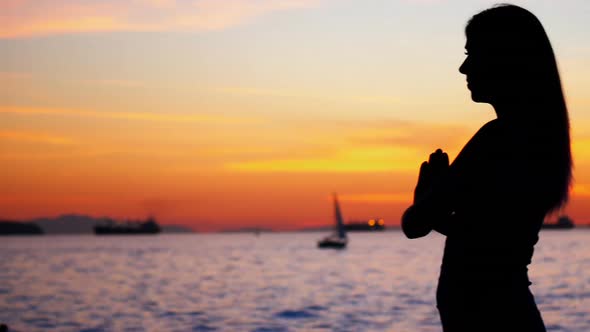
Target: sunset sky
{"type": "Point", "coordinates": [220, 114]}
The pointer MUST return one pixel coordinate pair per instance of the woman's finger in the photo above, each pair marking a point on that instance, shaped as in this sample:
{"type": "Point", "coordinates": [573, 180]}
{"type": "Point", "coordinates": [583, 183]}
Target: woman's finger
{"type": "Point", "coordinates": [424, 172]}
{"type": "Point", "coordinates": [445, 159]}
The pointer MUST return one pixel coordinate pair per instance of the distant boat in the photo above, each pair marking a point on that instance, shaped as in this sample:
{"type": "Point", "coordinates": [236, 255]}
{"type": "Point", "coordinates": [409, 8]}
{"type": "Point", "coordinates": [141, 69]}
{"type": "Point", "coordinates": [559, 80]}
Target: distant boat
{"type": "Point", "coordinates": [338, 240]}
{"type": "Point", "coordinates": [563, 222]}
{"type": "Point", "coordinates": [150, 226]}
{"type": "Point", "coordinates": [377, 224]}
{"type": "Point", "coordinates": [8, 227]}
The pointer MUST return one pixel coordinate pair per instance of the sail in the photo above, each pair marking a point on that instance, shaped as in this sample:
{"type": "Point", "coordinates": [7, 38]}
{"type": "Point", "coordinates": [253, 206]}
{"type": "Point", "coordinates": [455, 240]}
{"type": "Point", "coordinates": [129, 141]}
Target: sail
{"type": "Point", "coordinates": [337, 240]}
{"type": "Point", "coordinates": [338, 216]}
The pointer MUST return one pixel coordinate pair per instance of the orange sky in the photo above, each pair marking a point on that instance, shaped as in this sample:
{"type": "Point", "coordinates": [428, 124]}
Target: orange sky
{"type": "Point", "coordinates": [227, 114]}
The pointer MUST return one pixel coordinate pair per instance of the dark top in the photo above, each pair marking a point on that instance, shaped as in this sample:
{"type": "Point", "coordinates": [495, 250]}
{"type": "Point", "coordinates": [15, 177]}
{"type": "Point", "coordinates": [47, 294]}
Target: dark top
{"type": "Point", "coordinates": [493, 192]}
{"type": "Point", "coordinates": [496, 216]}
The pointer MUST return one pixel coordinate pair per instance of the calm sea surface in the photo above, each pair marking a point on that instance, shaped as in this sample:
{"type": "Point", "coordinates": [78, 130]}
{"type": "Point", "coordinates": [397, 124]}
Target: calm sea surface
{"type": "Point", "coordinates": [273, 282]}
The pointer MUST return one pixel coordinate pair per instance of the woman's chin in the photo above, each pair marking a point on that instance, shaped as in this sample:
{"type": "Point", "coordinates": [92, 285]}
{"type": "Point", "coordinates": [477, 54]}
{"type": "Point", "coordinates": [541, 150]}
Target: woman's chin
{"type": "Point", "coordinates": [479, 98]}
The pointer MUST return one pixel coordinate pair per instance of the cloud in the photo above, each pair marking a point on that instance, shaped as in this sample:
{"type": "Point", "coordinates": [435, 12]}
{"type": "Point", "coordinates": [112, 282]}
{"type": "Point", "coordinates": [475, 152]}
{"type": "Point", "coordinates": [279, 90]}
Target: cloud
{"type": "Point", "coordinates": [348, 159]}
{"type": "Point", "coordinates": [117, 83]}
{"type": "Point", "coordinates": [414, 134]}
{"type": "Point", "coordinates": [30, 18]}
{"type": "Point", "coordinates": [33, 137]}
{"type": "Point", "coordinates": [140, 116]}
{"type": "Point", "coordinates": [257, 92]}
{"type": "Point", "coordinates": [364, 147]}
{"type": "Point", "coordinates": [302, 94]}
{"type": "Point", "coordinates": [306, 166]}
{"type": "Point", "coordinates": [14, 75]}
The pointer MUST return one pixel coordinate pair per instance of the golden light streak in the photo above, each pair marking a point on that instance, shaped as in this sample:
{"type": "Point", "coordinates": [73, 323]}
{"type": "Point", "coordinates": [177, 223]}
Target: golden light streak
{"type": "Point", "coordinates": [306, 166]}
{"type": "Point", "coordinates": [142, 116]}
{"type": "Point", "coordinates": [581, 149]}
{"type": "Point", "coordinates": [353, 159]}
{"type": "Point", "coordinates": [411, 134]}
{"type": "Point", "coordinates": [31, 137]}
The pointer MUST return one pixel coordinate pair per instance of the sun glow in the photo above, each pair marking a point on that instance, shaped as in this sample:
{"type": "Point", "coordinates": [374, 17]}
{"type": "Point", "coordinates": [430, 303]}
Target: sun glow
{"type": "Point", "coordinates": [221, 114]}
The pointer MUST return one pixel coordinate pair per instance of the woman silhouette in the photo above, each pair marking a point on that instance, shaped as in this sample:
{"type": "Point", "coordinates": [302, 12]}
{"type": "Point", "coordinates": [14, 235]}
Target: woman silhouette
{"type": "Point", "coordinates": [491, 201]}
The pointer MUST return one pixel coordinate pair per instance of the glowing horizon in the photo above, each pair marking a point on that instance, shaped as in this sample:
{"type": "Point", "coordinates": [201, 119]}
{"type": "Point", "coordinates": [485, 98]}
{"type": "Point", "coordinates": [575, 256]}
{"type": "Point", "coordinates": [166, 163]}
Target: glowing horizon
{"type": "Point", "coordinates": [227, 114]}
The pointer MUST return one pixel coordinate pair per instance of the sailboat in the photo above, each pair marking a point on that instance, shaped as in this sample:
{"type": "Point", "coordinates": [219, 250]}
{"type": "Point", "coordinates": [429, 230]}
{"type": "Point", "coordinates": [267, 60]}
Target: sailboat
{"type": "Point", "coordinates": [338, 240]}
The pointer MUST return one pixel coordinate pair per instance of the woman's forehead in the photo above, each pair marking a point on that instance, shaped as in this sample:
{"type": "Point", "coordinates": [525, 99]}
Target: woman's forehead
{"type": "Point", "coordinates": [481, 43]}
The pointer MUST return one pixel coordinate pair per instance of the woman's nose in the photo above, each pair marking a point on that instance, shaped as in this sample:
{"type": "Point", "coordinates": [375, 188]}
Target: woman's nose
{"type": "Point", "coordinates": [463, 68]}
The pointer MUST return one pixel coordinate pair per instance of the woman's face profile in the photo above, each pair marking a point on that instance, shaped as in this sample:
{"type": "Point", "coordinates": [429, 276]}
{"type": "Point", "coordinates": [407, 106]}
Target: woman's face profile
{"type": "Point", "coordinates": [482, 73]}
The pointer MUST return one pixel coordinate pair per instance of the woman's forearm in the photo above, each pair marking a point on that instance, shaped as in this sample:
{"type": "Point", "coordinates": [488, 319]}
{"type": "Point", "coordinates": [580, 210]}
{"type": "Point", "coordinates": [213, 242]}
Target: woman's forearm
{"type": "Point", "coordinates": [430, 212]}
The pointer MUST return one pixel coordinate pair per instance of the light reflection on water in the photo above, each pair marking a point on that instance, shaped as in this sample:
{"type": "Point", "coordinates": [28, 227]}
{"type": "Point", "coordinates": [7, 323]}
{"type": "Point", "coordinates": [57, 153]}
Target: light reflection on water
{"type": "Point", "coordinates": [274, 282]}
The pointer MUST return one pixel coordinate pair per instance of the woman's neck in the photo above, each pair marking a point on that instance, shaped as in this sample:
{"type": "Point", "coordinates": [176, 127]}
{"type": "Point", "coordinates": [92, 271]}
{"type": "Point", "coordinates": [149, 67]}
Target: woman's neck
{"type": "Point", "coordinates": [512, 110]}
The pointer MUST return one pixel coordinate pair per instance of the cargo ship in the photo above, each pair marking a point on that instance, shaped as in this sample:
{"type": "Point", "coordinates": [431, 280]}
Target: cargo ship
{"type": "Point", "coordinates": [149, 226]}
{"type": "Point", "coordinates": [563, 222]}
{"type": "Point", "coordinates": [370, 225]}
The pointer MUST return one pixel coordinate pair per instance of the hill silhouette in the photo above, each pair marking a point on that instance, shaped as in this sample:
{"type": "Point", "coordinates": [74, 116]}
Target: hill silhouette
{"type": "Point", "coordinates": [84, 224]}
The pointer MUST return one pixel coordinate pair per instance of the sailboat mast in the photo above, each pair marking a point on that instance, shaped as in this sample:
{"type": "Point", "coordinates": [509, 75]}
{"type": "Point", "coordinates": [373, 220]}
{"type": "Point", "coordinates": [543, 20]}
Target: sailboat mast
{"type": "Point", "coordinates": [338, 217]}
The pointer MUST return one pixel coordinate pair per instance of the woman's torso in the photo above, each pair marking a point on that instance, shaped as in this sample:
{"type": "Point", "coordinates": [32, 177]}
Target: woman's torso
{"type": "Point", "coordinates": [496, 216]}
{"type": "Point", "coordinates": [495, 223]}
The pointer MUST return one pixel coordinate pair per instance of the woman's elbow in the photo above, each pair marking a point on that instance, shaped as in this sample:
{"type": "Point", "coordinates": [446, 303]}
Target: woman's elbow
{"type": "Point", "coordinates": [412, 226]}
{"type": "Point", "coordinates": [413, 232]}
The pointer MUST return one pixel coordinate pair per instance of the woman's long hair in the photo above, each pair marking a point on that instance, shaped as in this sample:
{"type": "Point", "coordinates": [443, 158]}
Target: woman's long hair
{"type": "Point", "coordinates": [518, 39]}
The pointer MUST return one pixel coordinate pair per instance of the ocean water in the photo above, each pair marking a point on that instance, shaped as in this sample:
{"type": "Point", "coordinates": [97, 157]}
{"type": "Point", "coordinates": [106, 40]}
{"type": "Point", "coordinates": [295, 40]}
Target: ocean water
{"type": "Point", "coordinates": [271, 282]}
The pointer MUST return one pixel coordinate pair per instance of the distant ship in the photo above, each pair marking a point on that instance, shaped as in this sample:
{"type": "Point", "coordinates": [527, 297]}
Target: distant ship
{"type": "Point", "coordinates": [338, 240]}
{"type": "Point", "coordinates": [376, 224]}
{"type": "Point", "coordinates": [150, 226]}
{"type": "Point", "coordinates": [563, 222]}
{"type": "Point", "coordinates": [8, 227]}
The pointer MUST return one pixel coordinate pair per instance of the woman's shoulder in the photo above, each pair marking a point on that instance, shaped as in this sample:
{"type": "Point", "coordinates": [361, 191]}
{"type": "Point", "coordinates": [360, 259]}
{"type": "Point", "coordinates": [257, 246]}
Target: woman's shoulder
{"type": "Point", "coordinates": [492, 140]}
{"type": "Point", "coordinates": [498, 133]}
{"type": "Point", "coordinates": [488, 134]}
{"type": "Point", "coordinates": [491, 127]}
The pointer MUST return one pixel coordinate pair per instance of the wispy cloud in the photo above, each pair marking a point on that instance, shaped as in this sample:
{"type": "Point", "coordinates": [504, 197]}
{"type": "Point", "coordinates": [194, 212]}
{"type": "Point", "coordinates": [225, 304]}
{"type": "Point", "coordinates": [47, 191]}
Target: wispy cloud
{"type": "Point", "coordinates": [33, 137]}
{"type": "Point", "coordinates": [389, 146]}
{"type": "Point", "coordinates": [26, 18]}
{"type": "Point", "coordinates": [350, 159]}
{"type": "Point", "coordinates": [257, 92]}
{"type": "Point", "coordinates": [141, 116]}
{"type": "Point", "coordinates": [14, 75]}
{"type": "Point", "coordinates": [315, 95]}
{"type": "Point", "coordinates": [396, 133]}
{"type": "Point", "coordinates": [117, 83]}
